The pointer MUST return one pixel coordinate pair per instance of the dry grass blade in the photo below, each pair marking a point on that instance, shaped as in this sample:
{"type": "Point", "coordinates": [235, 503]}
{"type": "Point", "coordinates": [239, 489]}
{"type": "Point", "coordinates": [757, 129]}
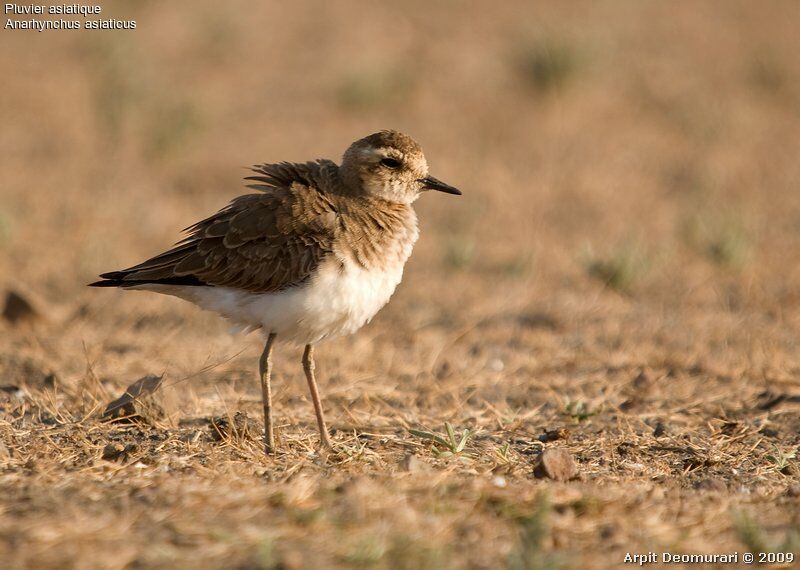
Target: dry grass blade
{"type": "Point", "coordinates": [125, 405]}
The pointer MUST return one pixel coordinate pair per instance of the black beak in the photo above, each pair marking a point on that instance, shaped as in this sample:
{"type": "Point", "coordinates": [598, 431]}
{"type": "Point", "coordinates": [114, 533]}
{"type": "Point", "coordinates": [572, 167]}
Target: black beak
{"type": "Point", "coordinates": [431, 183]}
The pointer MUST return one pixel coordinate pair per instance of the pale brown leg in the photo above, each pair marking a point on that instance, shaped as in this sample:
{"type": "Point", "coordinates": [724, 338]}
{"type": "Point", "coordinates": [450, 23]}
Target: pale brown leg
{"type": "Point", "coordinates": [265, 369]}
{"type": "Point", "coordinates": [308, 366]}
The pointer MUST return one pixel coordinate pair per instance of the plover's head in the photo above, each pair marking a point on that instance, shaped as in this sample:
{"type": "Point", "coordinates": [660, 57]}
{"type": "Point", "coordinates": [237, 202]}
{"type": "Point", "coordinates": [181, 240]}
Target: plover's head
{"type": "Point", "coordinates": [389, 165]}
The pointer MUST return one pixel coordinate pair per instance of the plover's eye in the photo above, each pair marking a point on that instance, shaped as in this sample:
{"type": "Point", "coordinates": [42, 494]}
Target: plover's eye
{"type": "Point", "coordinates": [390, 162]}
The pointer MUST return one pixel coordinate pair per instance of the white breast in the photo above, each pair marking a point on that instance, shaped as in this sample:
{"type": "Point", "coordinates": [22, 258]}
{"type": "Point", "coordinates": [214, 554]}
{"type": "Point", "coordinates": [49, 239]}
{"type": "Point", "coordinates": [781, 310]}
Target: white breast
{"type": "Point", "coordinates": [336, 300]}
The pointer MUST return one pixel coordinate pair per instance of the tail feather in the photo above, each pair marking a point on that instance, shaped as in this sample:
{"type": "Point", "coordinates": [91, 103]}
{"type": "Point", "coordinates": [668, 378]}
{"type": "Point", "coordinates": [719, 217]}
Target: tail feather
{"type": "Point", "coordinates": [123, 279]}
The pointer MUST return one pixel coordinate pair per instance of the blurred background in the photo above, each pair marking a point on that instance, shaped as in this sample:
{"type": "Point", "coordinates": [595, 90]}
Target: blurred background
{"type": "Point", "coordinates": [630, 175]}
{"type": "Point", "coordinates": [624, 264]}
{"type": "Point", "coordinates": [643, 143]}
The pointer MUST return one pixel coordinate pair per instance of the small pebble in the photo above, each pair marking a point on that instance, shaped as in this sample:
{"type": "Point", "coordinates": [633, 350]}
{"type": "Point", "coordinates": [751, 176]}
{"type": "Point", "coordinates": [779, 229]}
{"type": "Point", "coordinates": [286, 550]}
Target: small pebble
{"type": "Point", "coordinates": [557, 464]}
{"type": "Point", "coordinates": [496, 365]}
{"type": "Point", "coordinates": [115, 451]}
{"type": "Point", "coordinates": [18, 309]}
{"type": "Point", "coordinates": [553, 435]}
{"type": "Point", "coordinates": [500, 482]}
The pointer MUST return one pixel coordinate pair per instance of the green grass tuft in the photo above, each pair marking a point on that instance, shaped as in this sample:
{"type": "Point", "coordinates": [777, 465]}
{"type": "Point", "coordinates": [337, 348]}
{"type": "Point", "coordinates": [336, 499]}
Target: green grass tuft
{"type": "Point", "coordinates": [620, 269]}
{"type": "Point", "coordinates": [723, 241]}
{"type": "Point", "coordinates": [373, 88]}
{"type": "Point", "coordinates": [451, 444]}
{"type": "Point", "coordinates": [460, 253]}
{"type": "Point", "coordinates": [549, 65]}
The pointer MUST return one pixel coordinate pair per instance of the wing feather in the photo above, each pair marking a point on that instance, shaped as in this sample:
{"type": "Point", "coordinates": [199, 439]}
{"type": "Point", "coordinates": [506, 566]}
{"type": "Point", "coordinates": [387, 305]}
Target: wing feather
{"type": "Point", "coordinates": [261, 242]}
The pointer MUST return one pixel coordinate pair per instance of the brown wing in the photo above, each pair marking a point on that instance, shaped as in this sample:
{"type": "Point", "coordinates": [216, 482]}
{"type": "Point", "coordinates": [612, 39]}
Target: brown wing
{"type": "Point", "coordinates": [260, 242]}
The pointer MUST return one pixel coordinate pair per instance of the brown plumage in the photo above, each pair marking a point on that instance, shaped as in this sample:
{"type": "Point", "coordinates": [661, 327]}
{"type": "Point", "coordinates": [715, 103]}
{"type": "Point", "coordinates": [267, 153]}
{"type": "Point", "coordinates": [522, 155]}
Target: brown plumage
{"type": "Point", "coordinates": [314, 253]}
{"type": "Point", "coordinates": [262, 242]}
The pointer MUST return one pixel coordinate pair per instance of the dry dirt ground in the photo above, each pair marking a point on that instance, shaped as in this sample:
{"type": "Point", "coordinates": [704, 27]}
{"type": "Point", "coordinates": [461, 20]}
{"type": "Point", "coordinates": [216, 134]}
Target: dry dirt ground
{"type": "Point", "coordinates": [620, 280]}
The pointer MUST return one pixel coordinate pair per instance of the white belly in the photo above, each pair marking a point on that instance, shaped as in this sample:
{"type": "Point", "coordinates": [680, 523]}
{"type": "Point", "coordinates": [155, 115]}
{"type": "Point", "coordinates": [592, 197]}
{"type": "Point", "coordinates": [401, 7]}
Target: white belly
{"type": "Point", "coordinates": [332, 303]}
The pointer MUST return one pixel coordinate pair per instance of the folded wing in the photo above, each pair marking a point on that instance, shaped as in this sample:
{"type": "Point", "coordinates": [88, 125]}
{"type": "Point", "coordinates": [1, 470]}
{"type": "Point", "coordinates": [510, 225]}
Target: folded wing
{"type": "Point", "coordinates": [262, 242]}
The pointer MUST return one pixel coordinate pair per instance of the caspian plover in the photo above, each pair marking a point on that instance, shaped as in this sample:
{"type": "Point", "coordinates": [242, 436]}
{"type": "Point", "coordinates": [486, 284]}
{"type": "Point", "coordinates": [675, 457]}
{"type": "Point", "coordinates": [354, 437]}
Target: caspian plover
{"type": "Point", "coordinates": [314, 254]}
